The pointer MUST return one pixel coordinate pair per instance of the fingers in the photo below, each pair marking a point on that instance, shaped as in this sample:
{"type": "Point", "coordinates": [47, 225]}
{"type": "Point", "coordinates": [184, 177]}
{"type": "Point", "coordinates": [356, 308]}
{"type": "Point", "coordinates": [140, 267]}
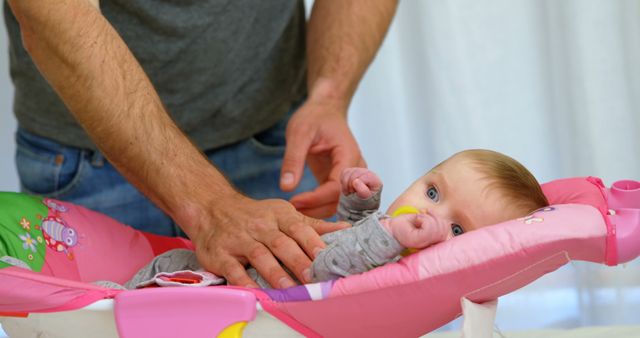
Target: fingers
{"type": "Point", "coordinates": [305, 236]}
{"type": "Point", "coordinates": [359, 180]}
{"type": "Point", "coordinates": [404, 221]}
{"type": "Point", "coordinates": [321, 211]}
{"type": "Point", "coordinates": [293, 162]}
{"type": "Point", "coordinates": [352, 174]}
{"type": "Point", "coordinates": [263, 260]}
{"type": "Point", "coordinates": [362, 190]}
{"type": "Point", "coordinates": [297, 235]}
{"type": "Point", "coordinates": [326, 193]}
{"type": "Point", "coordinates": [232, 271]}
{"type": "Point", "coordinates": [372, 180]}
{"type": "Point", "coordinates": [323, 227]}
{"type": "Point", "coordinates": [345, 180]}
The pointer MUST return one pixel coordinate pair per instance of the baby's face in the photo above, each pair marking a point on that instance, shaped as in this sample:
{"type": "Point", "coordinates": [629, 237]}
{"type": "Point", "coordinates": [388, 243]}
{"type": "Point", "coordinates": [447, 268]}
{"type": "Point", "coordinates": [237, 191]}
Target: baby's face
{"type": "Point", "coordinates": [457, 195]}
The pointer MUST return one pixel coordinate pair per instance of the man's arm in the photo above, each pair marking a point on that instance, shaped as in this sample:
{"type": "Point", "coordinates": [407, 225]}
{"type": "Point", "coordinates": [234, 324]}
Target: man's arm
{"type": "Point", "coordinates": [102, 84]}
{"type": "Point", "coordinates": [342, 39]}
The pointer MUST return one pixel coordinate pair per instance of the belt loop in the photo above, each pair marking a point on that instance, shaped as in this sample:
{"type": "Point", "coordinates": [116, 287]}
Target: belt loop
{"type": "Point", "coordinates": [97, 160]}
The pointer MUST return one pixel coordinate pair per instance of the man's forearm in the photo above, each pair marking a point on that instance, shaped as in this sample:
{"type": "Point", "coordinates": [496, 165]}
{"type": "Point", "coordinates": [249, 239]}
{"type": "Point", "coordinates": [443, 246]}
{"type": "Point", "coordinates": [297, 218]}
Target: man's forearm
{"type": "Point", "coordinates": [342, 39]}
{"type": "Point", "coordinates": [102, 84]}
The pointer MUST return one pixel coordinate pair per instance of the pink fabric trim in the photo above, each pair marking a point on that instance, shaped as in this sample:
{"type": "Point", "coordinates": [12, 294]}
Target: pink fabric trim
{"type": "Point", "coordinates": [40, 293]}
{"type": "Point", "coordinates": [524, 276]}
{"type": "Point", "coordinates": [611, 253]}
{"type": "Point", "coordinates": [88, 298]}
{"type": "Point", "coordinates": [272, 308]}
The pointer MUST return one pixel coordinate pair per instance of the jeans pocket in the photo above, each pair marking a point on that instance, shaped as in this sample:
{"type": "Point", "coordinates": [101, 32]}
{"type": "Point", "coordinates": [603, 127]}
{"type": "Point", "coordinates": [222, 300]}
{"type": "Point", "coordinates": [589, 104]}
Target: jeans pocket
{"type": "Point", "coordinates": [271, 141]}
{"type": "Point", "coordinates": [45, 167]}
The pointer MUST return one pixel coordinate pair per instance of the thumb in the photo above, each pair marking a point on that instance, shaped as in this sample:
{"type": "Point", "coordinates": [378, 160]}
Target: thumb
{"type": "Point", "coordinates": [323, 227]}
{"type": "Point", "coordinates": [412, 219]}
{"type": "Point", "coordinates": [293, 162]}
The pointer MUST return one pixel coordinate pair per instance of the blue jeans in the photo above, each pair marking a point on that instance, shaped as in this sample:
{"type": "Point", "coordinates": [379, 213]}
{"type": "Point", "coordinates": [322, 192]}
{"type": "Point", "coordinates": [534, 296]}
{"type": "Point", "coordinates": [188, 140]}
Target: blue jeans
{"type": "Point", "coordinates": [85, 177]}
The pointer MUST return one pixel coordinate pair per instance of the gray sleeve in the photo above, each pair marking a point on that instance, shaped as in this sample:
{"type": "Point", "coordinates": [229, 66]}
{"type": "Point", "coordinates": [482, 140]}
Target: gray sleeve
{"type": "Point", "coordinates": [360, 248]}
{"type": "Point", "coordinates": [170, 261]}
{"type": "Point", "coordinates": [352, 208]}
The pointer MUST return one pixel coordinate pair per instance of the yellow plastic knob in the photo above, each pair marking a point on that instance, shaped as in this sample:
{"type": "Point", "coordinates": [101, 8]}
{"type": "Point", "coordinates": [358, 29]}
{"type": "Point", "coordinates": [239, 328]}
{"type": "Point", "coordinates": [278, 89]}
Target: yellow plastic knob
{"type": "Point", "coordinates": [233, 330]}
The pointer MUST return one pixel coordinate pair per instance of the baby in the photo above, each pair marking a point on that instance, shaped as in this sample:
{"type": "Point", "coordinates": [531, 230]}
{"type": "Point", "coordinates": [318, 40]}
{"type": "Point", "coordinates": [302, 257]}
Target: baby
{"type": "Point", "coordinates": [469, 190]}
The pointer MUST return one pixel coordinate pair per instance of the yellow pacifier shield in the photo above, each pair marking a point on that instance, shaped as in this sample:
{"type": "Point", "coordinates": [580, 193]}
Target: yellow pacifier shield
{"type": "Point", "coordinates": [405, 209]}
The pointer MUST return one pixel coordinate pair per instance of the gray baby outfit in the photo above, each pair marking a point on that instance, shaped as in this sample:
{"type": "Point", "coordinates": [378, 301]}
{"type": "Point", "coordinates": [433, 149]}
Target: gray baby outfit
{"type": "Point", "coordinates": [364, 246]}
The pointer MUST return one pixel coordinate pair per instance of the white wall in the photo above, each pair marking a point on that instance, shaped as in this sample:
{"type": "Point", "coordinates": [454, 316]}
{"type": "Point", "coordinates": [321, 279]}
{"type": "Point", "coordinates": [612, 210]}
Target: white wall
{"type": "Point", "coordinates": [8, 176]}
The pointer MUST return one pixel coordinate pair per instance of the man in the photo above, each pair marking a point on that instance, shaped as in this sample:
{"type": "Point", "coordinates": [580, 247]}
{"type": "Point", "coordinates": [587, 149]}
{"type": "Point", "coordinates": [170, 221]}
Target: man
{"type": "Point", "coordinates": [227, 72]}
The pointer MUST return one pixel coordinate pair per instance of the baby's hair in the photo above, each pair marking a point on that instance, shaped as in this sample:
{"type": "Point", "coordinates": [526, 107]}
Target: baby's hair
{"type": "Point", "coordinates": [519, 186]}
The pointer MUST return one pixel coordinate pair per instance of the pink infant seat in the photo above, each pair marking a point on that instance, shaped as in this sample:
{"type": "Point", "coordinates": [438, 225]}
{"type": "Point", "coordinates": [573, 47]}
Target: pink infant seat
{"type": "Point", "coordinates": [62, 248]}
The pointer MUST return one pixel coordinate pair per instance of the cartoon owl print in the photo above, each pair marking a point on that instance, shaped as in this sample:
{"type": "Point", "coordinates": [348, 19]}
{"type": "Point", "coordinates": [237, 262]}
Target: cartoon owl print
{"type": "Point", "coordinates": [57, 234]}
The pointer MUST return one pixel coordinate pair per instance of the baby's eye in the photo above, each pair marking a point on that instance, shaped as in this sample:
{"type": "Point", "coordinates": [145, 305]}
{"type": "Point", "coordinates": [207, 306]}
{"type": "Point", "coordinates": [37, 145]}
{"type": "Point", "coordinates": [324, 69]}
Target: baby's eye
{"type": "Point", "coordinates": [432, 194]}
{"type": "Point", "coordinates": [456, 229]}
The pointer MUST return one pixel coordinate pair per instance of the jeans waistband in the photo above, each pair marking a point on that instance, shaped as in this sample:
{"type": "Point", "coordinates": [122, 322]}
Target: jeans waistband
{"type": "Point", "coordinates": [96, 158]}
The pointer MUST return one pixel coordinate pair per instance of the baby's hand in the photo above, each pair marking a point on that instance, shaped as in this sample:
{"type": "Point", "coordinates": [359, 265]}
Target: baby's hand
{"type": "Point", "coordinates": [361, 181]}
{"type": "Point", "coordinates": [417, 230]}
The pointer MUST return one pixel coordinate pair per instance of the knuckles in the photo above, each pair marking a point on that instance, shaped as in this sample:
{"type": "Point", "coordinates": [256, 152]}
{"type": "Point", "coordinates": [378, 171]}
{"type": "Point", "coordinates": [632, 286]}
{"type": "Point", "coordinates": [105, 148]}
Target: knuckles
{"type": "Point", "coordinates": [258, 251]}
{"type": "Point", "coordinates": [279, 242]}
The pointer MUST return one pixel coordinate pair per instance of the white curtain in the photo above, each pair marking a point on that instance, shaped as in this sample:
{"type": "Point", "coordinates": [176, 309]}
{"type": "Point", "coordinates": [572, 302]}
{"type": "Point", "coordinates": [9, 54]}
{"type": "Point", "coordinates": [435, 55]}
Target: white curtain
{"type": "Point", "coordinates": [554, 84]}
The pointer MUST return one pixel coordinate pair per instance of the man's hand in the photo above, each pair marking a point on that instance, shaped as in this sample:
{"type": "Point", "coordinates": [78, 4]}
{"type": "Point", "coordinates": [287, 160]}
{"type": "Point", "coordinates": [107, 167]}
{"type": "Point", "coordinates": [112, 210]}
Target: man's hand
{"type": "Point", "coordinates": [361, 181]}
{"type": "Point", "coordinates": [261, 233]}
{"type": "Point", "coordinates": [318, 133]}
{"type": "Point", "coordinates": [417, 230]}
{"type": "Point", "coordinates": [93, 71]}
{"type": "Point", "coordinates": [342, 39]}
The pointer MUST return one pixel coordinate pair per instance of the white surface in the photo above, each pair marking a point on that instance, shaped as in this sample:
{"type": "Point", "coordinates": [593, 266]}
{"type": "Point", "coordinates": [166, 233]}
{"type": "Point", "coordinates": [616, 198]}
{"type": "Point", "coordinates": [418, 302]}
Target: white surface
{"type": "Point", "coordinates": [478, 319]}
{"type": "Point", "coordinates": [585, 332]}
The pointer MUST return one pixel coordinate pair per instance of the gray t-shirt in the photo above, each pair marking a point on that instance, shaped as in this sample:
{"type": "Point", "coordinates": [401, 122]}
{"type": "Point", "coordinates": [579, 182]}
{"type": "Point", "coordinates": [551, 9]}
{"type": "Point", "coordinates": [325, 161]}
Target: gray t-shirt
{"type": "Point", "coordinates": [224, 69]}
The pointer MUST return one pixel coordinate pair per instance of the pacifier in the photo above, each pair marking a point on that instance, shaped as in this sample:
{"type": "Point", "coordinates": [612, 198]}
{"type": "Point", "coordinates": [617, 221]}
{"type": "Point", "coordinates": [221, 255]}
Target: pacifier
{"type": "Point", "coordinates": [406, 210]}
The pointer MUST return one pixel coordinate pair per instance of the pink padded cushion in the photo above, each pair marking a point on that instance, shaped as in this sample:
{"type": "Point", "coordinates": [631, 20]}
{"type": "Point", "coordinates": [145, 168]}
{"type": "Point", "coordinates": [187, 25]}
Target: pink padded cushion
{"type": "Point", "coordinates": [589, 191]}
{"type": "Point", "coordinates": [422, 292]}
{"type": "Point", "coordinates": [576, 190]}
